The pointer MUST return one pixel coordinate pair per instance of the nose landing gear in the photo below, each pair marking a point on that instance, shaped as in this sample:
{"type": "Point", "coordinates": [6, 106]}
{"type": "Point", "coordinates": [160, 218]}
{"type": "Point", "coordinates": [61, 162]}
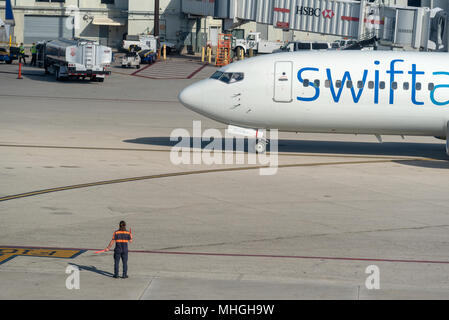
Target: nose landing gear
{"type": "Point", "coordinates": [261, 145]}
{"type": "Point", "coordinates": [258, 134]}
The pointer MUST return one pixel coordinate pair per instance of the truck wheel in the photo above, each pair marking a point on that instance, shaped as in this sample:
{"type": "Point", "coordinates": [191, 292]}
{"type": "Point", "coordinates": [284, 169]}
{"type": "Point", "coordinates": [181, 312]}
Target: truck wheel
{"type": "Point", "coordinates": [138, 66]}
{"type": "Point", "coordinates": [100, 79]}
{"type": "Point", "coordinates": [8, 61]}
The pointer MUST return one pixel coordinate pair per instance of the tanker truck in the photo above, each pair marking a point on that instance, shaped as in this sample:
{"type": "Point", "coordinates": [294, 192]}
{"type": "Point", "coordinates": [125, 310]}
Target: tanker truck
{"type": "Point", "coordinates": [76, 59]}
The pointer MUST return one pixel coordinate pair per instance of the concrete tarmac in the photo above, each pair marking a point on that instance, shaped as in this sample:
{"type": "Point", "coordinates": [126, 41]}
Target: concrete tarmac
{"type": "Point", "coordinates": [337, 206]}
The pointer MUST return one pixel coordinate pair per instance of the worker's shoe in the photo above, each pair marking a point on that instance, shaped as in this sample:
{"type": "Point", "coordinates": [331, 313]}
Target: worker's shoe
{"type": "Point", "coordinates": [115, 276]}
{"type": "Point", "coordinates": [125, 276]}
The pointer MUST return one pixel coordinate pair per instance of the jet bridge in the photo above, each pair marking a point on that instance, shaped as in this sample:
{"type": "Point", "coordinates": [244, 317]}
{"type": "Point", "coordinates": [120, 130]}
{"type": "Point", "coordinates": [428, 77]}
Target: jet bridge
{"type": "Point", "coordinates": [393, 26]}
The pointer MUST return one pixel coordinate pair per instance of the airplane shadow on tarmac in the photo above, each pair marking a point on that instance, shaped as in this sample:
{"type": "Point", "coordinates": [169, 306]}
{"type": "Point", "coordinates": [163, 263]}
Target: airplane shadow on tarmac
{"type": "Point", "coordinates": [435, 152]}
{"type": "Point", "coordinates": [93, 269]}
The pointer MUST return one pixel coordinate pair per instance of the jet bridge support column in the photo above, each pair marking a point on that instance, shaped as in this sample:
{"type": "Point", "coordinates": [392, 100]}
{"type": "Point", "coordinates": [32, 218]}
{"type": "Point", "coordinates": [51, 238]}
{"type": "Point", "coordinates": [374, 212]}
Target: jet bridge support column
{"type": "Point", "coordinates": [361, 19]}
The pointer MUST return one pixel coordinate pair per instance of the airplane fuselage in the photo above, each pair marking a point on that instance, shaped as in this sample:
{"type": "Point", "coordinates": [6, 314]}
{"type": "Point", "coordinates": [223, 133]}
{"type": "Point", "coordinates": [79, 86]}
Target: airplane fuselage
{"type": "Point", "coordinates": [362, 92]}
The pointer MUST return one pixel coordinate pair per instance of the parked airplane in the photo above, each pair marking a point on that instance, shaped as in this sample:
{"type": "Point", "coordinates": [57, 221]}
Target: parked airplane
{"type": "Point", "coordinates": [357, 92]}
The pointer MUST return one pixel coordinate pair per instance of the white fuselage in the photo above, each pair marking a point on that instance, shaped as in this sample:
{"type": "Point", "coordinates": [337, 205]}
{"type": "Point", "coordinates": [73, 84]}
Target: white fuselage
{"type": "Point", "coordinates": [381, 92]}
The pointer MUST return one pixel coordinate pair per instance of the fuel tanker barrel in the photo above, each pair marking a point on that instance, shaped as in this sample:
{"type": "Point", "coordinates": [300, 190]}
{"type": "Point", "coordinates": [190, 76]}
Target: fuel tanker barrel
{"type": "Point", "coordinates": [60, 50]}
{"type": "Point", "coordinates": [77, 58]}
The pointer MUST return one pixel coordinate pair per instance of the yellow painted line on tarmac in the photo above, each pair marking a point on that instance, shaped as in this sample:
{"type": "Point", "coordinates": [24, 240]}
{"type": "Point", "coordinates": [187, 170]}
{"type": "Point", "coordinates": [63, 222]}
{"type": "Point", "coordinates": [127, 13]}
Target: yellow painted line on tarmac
{"type": "Point", "coordinates": [8, 253]}
{"type": "Point", "coordinates": [187, 173]}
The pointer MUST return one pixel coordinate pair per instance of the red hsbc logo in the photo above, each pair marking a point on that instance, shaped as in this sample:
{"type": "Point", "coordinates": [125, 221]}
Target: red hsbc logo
{"type": "Point", "coordinates": [328, 13]}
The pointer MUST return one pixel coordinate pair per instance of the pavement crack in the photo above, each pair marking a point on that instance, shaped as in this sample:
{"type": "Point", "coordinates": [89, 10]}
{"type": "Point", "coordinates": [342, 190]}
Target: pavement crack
{"type": "Point", "coordinates": [146, 289]}
{"type": "Point", "coordinates": [295, 237]}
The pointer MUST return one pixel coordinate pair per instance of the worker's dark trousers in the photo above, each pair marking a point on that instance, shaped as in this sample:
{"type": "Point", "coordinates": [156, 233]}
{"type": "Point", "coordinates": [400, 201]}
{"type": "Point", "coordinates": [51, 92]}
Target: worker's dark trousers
{"type": "Point", "coordinates": [124, 257]}
{"type": "Point", "coordinates": [33, 60]}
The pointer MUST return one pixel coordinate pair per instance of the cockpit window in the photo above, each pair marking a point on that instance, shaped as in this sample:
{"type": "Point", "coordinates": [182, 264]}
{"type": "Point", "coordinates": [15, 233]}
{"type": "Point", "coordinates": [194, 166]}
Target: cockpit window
{"type": "Point", "coordinates": [217, 75]}
{"type": "Point", "coordinates": [228, 77]}
{"type": "Point", "coordinates": [237, 76]}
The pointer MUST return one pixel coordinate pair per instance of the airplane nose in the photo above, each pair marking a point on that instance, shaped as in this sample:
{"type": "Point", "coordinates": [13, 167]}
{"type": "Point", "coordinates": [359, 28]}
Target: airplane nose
{"type": "Point", "coordinates": [192, 97]}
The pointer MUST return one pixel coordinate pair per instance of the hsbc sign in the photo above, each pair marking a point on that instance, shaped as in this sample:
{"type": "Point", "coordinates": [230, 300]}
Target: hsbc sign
{"type": "Point", "coordinates": [314, 12]}
{"type": "Point", "coordinates": [308, 11]}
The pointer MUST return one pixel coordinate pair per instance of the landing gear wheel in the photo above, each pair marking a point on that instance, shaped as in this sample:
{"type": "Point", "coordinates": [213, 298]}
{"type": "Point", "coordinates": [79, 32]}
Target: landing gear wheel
{"type": "Point", "coordinates": [261, 146]}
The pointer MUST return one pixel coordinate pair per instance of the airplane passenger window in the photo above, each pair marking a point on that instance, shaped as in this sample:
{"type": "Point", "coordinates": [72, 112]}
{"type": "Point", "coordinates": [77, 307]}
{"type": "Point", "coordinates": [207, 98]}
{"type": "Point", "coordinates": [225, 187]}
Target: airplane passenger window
{"type": "Point", "coordinates": [394, 85]}
{"type": "Point", "coordinates": [216, 75]}
{"type": "Point", "coordinates": [306, 83]}
{"type": "Point", "coordinates": [431, 86]}
{"type": "Point", "coordinates": [360, 84]}
{"type": "Point", "coordinates": [338, 83]}
{"type": "Point", "coordinates": [418, 86]}
{"type": "Point", "coordinates": [327, 83]}
{"type": "Point", "coordinates": [406, 86]}
{"type": "Point", "coordinates": [382, 85]}
{"type": "Point", "coordinates": [317, 83]}
{"type": "Point", "coordinates": [371, 84]}
{"type": "Point", "coordinates": [349, 84]}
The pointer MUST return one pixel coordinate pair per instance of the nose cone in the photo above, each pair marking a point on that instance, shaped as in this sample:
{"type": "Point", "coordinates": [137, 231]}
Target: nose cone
{"type": "Point", "coordinates": [192, 97]}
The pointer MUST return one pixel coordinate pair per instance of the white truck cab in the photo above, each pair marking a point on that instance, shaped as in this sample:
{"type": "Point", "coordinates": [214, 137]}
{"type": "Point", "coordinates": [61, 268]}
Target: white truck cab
{"type": "Point", "coordinates": [147, 42]}
{"type": "Point", "coordinates": [255, 42]}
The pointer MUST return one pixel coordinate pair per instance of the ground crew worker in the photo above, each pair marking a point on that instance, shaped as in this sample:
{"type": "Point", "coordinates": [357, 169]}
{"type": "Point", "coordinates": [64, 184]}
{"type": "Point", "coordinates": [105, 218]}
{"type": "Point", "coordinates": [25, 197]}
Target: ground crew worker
{"type": "Point", "coordinates": [33, 55]}
{"type": "Point", "coordinates": [121, 238]}
{"type": "Point", "coordinates": [22, 53]}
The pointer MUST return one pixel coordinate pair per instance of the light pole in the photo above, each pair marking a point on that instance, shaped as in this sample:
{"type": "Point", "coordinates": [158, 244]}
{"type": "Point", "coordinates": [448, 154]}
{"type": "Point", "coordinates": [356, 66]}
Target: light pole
{"type": "Point", "coordinates": [156, 18]}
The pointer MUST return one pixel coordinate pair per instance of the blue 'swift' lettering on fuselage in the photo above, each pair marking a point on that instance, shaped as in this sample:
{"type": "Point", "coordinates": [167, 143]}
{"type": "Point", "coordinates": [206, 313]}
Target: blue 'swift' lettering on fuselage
{"type": "Point", "coordinates": [317, 89]}
{"type": "Point", "coordinates": [432, 93]}
{"type": "Point", "coordinates": [360, 85]}
{"type": "Point", "coordinates": [347, 75]}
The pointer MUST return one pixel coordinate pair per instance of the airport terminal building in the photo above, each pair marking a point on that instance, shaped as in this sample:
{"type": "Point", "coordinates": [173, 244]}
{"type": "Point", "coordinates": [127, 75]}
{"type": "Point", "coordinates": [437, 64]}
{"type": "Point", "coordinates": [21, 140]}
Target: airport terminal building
{"type": "Point", "coordinates": [109, 21]}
